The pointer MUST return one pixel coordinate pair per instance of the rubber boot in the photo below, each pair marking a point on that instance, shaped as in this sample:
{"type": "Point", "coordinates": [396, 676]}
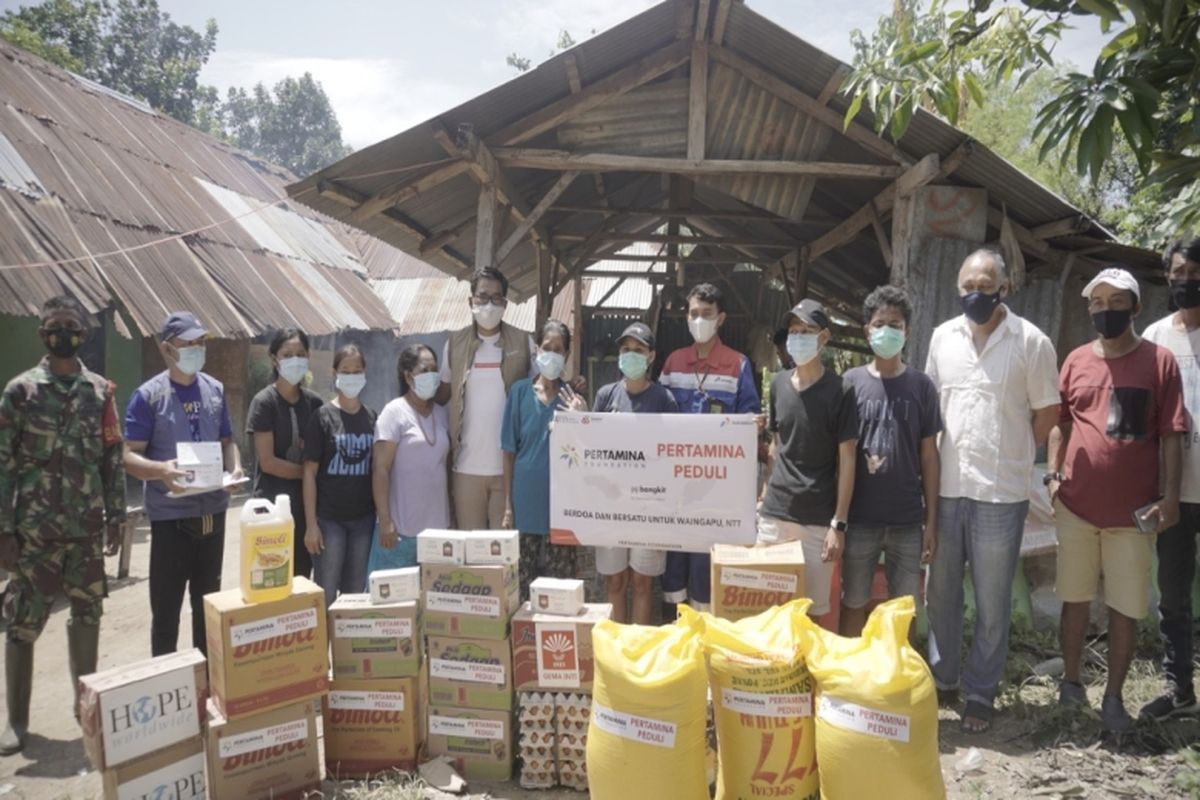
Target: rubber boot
{"type": "Point", "coordinates": [82, 643]}
{"type": "Point", "coordinates": [18, 674]}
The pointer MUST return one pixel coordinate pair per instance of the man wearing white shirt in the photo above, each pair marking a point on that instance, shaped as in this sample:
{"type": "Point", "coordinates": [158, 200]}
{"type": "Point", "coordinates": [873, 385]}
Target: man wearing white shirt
{"type": "Point", "coordinates": [997, 377]}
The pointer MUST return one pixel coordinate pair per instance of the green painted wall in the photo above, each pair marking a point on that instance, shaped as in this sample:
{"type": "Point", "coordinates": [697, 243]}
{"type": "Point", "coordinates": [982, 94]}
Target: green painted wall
{"type": "Point", "coordinates": [122, 361]}
{"type": "Point", "coordinates": [20, 346]}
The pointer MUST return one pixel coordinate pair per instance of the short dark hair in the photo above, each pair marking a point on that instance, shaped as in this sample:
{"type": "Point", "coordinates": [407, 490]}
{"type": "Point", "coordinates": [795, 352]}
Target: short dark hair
{"type": "Point", "coordinates": [554, 326]}
{"type": "Point", "coordinates": [780, 337]}
{"type": "Point", "coordinates": [347, 351]}
{"type": "Point", "coordinates": [489, 273]}
{"type": "Point", "coordinates": [65, 302]}
{"type": "Point", "coordinates": [707, 293]}
{"type": "Point", "coordinates": [887, 296]}
{"type": "Point", "coordinates": [409, 358]}
{"type": "Point", "coordinates": [1188, 246]}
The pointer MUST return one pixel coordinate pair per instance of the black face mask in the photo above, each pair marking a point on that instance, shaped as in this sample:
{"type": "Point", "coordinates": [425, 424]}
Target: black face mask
{"type": "Point", "coordinates": [1112, 323]}
{"type": "Point", "coordinates": [62, 342]}
{"type": "Point", "coordinates": [1185, 294]}
{"type": "Point", "coordinates": [979, 307]}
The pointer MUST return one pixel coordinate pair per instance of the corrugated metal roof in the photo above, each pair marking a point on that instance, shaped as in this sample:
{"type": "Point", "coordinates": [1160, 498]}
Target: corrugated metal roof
{"type": "Point", "coordinates": [633, 292]}
{"type": "Point", "coordinates": [87, 171]}
{"type": "Point", "coordinates": [430, 305]}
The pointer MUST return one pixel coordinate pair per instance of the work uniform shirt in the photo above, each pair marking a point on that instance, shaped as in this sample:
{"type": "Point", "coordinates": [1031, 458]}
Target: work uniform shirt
{"type": "Point", "coordinates": [722, 383]}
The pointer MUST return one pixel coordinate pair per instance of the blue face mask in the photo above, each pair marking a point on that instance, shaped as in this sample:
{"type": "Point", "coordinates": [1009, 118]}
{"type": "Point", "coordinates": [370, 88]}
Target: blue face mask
{"type": "Point", "coordinates": [633, 365]}
{"type": "Point", "coordinates": [887, 341]}
{"type": "Point", "coordinates": [426, 384]}
{"type": "Point", "coordinates": [803, 347]}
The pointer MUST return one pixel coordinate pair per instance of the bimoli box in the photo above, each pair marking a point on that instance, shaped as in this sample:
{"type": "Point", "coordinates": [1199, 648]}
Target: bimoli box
{"type": "Point", "coordinates": [554, 652]}
{"type": "Point", "coordinates": [493, 547]}
{"type": "Point", "coordinates": [436, 546]}
{"type": "Point", "coordinates": [373, 726]}
{"type": "Point", "coordinates": [470, 673]}
{"type": "Point", "coordinates": [176, 773]}
{"type": "Point", "coordinates": [129, 711]}
{"type": "Point", "coordinates": [373, 640]}
{"type": "Point", "coordinates": [557, 595]}
{"type": "Point", "coordinates": [266, 655]}
{"type": "Point", "coordinates": [269, 755]}
{"type": "Point", "coordinates": [749, 580]}
{"type": "Point", "coordinates": [468, 602]}
{"type": "Point", "coordinates": [395, 585]}
{"type": "Point", "coordinates": [478, 742]}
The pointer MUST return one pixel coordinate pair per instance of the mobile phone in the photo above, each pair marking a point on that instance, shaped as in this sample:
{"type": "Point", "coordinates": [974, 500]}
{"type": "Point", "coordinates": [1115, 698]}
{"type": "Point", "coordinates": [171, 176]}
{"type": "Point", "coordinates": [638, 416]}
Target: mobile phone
{"type": "Point", "coordinates": [1146, 525]}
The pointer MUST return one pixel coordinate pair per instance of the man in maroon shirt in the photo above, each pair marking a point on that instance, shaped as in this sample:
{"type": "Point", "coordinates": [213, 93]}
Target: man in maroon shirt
{"type": "Point", "coordinates": [1121, 416]}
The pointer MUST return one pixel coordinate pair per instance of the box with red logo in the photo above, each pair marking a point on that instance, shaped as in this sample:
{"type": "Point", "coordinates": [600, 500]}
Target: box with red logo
{"type": "Point", "coordinates": [555, 652]}
{"type": "Point", "coordinates": [266, 655]}
{"type": "Point", "coordinates": [469, 602]}
{"type": "Point", "coordinates": [373, 726]}
{"type": "Point", "coordinates": [749, 580]}
{"type": "Point", "coordinates": [374, 640]}
{"type": "Point", "coordinates": [268, 755]}
{"type": "Point", "coordinates": [470, 673]}
{"type": "Point", "coordinates": [129, 711]}
{"type": "Point", "coordinates": [479, 743]}
{"type": "Point", "coordinates": [176, 772]}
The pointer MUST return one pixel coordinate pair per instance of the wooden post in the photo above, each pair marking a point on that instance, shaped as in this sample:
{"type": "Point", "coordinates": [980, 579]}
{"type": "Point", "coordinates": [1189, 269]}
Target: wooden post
{"type": "Point", "coordinates": [544, 298]}
{"type": "Point", "coordinates": [577, 344]}
{"type": "Point", "coordinates": [485, 227]}
{"type": "Point", "coordinates": [698, 101]}
{"type": "Point", "coordinates": [902, 220]}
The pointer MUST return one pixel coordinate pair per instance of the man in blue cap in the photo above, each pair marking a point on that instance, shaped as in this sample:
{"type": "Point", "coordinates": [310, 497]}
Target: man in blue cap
{"type": "Point", "coordinates": [187, 533]}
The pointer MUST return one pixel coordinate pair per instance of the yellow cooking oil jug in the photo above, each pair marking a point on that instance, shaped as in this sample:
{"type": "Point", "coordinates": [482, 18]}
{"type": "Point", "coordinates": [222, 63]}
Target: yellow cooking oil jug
{"type": "Point", "coordinates": [267, 530]}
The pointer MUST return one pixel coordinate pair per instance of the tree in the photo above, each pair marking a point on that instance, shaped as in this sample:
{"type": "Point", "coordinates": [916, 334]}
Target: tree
{"type": "Point", "coordinates": [523, 64]}
{"type": "Point", "coordinates": [1140, 91]}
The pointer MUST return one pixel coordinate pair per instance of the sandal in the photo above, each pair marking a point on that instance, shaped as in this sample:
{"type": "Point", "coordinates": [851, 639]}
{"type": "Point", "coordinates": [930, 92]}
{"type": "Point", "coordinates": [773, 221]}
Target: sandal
{"type": "Point", "coordinates": [979, 714]}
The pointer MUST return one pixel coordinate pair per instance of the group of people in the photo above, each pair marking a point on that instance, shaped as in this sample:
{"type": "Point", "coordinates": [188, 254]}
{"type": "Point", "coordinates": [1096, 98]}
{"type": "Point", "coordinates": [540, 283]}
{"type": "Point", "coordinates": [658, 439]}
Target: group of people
{"type": "Point", "coordinates": [930, 468]}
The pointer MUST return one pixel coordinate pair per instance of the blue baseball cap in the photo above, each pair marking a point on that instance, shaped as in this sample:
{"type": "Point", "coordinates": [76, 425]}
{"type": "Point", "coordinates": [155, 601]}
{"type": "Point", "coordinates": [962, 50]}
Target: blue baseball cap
{"type": "Point", "coordinates": [183, 325]}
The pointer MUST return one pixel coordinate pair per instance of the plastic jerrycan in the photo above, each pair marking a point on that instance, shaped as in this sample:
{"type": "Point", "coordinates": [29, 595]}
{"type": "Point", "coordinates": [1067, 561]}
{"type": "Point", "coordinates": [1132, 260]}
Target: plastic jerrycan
{"type": "Point", "coordinates": [267, 531]}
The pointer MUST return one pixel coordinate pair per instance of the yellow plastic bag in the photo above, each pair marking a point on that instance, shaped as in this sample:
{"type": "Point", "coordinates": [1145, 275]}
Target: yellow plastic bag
{"type": "Point", "coordinates": [876, 714]}
{"type": "Point", "coordinates": [647, 729]}
{"type": "Point", "coordinates": [762, 704]}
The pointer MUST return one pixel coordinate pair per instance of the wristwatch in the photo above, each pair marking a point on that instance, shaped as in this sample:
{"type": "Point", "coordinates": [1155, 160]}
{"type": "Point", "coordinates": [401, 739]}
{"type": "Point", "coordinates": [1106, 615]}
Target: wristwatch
{"type": "Point", "coordinates": [838, 525]}
{"type": "Point", "coordinates": [1051, 476]}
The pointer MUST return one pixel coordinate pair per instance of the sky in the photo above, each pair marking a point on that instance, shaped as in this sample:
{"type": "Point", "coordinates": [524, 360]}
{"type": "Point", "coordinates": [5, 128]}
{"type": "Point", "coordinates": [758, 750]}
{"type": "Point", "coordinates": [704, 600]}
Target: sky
{"type": "Point", "coordinates": [390, 64]}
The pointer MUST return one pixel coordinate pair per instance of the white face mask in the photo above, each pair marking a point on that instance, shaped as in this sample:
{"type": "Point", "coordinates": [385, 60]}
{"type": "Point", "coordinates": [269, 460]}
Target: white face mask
{"type": "Point", "coordinates": [191, 360]}
{"type": "Point", "coordinates": [351, 383]}
{"type": "Point", "coordinates": [551, 365]}
{"type": "Point", "coordinates": [803, 347]}
{"type": "Point", "coordinates": [426, 384]}
{"type": "Point", "coordinates": [702, 329]}
{"type": "Point", "coordinates": [488, 317]}
{"type": "Point", "coordinates": [293, 369]}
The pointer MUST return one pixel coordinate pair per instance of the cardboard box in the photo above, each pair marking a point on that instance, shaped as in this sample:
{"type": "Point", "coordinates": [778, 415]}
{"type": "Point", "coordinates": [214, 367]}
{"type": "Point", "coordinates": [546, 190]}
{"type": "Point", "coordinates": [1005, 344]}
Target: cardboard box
{"type": "Point", "coordinates": [395, 585]}
{"type": "Point", "coordinates": [557, 596]}
{"type": "Point", "coordinates": [749, 580]}
{"type": "Point", "coordinates": [479, 743]}
{"type": "Point", "coordinates": [470, 673]}
{"type": "Point", "coordinates": [493, 547]}
{"type": "Point", "coordinates": [373, 640]}
{"type": "Point", "coordinates": [553, 652]}
{"type": "Point", "coordinates": [266, 655]}
{"type": "Point", "coordinates": [468, 602]}
{"type": "Point", "coordinates": [269, 755]}
{"type": "Point", "coordinates": [129, 711]}
{"type": "Point", "coordinates": [436, 546]}
{"type": "Point", "coordinates": [373, 726]}
{"type": "Point", "coordinates": [176, 772]}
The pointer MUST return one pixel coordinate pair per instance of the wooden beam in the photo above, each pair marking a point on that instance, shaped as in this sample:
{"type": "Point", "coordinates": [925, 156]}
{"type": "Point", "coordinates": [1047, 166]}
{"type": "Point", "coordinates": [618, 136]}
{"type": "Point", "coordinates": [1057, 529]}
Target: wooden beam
{"type": "Point", "coordinates": [485, 227]}
{"type": "Point", "coordinates": [545, 267]}
{"type": "Point", "coordinates": [901, 246]}
{"type": "Point", "coordinates": [698, 100]}
{"type": "Point", "coordinates": [644, 259]}
{"type": "Point", "coordinates": [833, 84]}
{"type": "Point", "coordinates": [377, 203]}
{"type": "Point", "coordinates": [439, 240]}
{"type": "Point", "coordinates": [722, 21]}
{"type": "Point", "coordinates": [571, 65]}
{"type": "Point", "coordinates": [701, 31]}
{"type": "Point", "coordinates": [1063, 227]}
{"type": "Point", "coordinates": [536, 158]}
{"type": "Point", "coordinates": [857, 132]}
{"type": "Point", "coordinates": [885, 246]}
{"type": "Point", "coordinates": [698, 241]}
{"type": "Point", "coordinates": [603, 90]}
{"type": "Point", "coordinates": [1025, 238]}
{"type": "Point", "coordinates": [535, 215]}
{"type": "Point", "coordinates": [682, 213]}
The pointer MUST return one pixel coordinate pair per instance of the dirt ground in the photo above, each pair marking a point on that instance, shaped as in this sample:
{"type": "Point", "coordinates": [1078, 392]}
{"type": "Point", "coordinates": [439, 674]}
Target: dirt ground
{"type": "Point", "coordinates": [1033, 750]}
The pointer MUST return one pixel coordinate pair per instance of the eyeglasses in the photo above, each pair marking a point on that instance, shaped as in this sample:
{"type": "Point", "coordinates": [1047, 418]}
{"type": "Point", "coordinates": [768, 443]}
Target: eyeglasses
{"type": "Point", "coordinates": [485, 299]}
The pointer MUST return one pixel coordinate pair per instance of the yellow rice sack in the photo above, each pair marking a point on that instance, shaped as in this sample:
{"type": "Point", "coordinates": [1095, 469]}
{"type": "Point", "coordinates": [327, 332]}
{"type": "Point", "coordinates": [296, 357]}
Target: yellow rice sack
{"type": "Point", "coordinates": [762, 704]}
{"type": "Point", "coordinates": [876, 714]}
{"type": "Point", "coordinates": [646, 737]}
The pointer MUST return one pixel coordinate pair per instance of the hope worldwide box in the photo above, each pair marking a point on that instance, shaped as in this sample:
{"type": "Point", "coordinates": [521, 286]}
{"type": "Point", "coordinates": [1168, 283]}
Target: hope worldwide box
{"type": "Point", "coordinates": [555, 652]}
{"type": "Point", "coordinates": [129, 711]}
{"type": "Point", "coordinates": [374, 640]}
{"type": "Point", "coordinates": [268, 755]}
{"type": "Point", "coordinates": [470, 673]}
{"type": "Point", "coordinates": [436, 546]}
{"type": "Point", "coordinates": [176, 772]}
{"type": "Point", "coordinates": [493, 547]}
{"type": "Point", "coordinates": [479, 743]}
{"type": "Point", "coordinates": [266, 655]}
{"type": "Point", "coordinates": [749, 580]}
{"type": "Point", "coordinates": [373, 726]}
{"type": "Point", "coordinates": [468, 602]}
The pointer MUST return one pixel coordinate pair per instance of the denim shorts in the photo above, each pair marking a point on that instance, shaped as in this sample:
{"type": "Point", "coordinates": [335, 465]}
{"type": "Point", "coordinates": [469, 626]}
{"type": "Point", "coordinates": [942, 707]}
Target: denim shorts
{"type": "Point", "coordinates": [901, 546]}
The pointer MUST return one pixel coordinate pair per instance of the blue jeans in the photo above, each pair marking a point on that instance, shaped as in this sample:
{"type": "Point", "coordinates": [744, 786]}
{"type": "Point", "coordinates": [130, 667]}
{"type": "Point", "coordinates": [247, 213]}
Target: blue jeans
{"type": "Point", "coordinates": [688, 577]}
{"type": "Point", "coordinates": [901, 546]}
{"type": "Point", "coordinates": [988, 536]}
{"type": "Point", "coordinates": [342, 565]}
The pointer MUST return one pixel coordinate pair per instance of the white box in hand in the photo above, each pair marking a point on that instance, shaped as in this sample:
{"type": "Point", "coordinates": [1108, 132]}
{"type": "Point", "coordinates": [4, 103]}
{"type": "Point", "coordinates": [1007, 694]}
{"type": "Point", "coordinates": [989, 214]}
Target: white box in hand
{"type": "Point", "coordinates": [202, 461]}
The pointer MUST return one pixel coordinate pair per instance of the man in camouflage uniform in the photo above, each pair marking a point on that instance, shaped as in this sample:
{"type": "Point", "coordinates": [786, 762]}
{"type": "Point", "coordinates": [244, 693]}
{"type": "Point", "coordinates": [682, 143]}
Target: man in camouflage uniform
{"type": "Point", "coordinates": [62, 482]}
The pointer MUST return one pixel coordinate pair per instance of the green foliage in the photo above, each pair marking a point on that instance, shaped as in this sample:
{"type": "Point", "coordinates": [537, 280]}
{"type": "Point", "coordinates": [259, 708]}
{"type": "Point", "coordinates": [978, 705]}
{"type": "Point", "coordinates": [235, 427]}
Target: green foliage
{"type": "Point", "coordinates": [17, 32]}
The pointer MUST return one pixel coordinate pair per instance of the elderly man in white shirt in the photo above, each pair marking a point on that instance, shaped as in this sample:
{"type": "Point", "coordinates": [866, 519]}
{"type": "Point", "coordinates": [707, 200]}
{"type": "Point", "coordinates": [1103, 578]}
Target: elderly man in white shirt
{"type": "Point", "coordinates": [997, 376]}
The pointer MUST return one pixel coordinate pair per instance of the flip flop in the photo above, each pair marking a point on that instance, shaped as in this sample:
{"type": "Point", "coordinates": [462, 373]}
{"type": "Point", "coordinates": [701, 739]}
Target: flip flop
{"type": "Point", "coordinates": [979, 713]}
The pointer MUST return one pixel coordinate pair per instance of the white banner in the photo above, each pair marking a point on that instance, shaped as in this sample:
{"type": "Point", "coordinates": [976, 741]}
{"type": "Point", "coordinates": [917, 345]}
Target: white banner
{"type": "Point", "coordinates": [668, 481]}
